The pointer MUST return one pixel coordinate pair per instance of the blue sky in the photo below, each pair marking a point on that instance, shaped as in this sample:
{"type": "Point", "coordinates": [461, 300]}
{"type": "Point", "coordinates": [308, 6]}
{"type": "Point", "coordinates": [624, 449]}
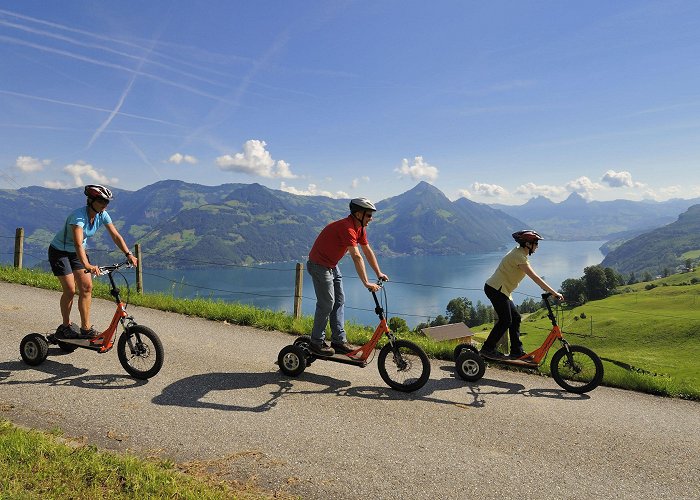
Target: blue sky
{"type": "Point", "coordinates": [497, 101]}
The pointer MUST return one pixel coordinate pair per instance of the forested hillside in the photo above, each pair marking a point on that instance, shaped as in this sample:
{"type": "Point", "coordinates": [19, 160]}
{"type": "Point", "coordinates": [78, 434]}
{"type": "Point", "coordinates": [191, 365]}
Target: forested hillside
{"type": "Point", "coordinates": [190, 225]}
{"type": "Point", "coordinates": [662, 250]}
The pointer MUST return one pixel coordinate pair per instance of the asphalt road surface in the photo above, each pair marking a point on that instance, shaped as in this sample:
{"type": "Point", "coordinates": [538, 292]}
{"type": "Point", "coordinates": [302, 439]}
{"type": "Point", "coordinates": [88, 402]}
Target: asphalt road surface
{"type": "Point", "coordinates": [337, 431]}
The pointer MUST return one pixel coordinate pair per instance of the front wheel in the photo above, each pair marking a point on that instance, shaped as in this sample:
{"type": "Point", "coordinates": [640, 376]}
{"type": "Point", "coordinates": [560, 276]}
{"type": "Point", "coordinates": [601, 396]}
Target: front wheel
{"type": "Point", "coordinates": [408, 368]}
{"type": "Point", "coordinates": [292, 360]}
{"type": "Point", "coordinates": [577, 369]}
{"type": "Point", "coordinates": [34, 348]}
{"type": "Point", "coordinates": [140, 352]}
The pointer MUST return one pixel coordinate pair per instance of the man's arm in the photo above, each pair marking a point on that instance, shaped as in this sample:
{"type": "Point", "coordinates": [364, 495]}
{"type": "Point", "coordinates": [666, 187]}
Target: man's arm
{"type": "Point", "coordinates": [372, 259]}
{"type": "Point", "coordinates": [360, 267]}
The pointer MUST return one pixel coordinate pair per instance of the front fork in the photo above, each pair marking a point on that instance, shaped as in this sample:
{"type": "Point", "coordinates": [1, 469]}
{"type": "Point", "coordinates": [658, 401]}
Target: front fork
{"type": "Point", "coordinates": [128, 322]}
{"type": "Point", "coordinates": [569, 354]}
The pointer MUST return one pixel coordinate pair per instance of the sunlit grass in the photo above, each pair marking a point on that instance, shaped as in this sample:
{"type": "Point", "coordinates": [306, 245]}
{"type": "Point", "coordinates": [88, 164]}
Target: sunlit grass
{"type": "Point", "coordinates": [38, 465]}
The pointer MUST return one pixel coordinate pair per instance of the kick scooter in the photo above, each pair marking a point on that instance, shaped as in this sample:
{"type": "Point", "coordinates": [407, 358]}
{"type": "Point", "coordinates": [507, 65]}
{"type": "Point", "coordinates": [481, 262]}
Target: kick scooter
{"type": "Point", "coordinates": [575, 368]}
{"type": "Point", "coordinates": [403, 365]}
{"type": "Point", "coordinates": [139, 349]}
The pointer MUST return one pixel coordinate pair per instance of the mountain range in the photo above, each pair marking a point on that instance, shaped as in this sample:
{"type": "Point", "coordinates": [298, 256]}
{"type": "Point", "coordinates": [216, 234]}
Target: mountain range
{"type": "Point", "coordinates": [577, 219]}
{"type": "Point", "coordinates": [190, 225]}
{"type": "Point", "coordinates": [180, 224]}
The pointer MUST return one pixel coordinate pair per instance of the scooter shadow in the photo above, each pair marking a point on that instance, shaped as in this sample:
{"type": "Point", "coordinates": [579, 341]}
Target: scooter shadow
{"type": "Point", "coordinates": [191, 391]}
{"type": "Point", "coordinates": [66, 374]}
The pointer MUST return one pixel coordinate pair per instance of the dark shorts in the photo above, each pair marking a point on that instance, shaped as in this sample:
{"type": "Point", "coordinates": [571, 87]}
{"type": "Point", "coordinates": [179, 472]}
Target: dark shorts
{"type": "Point", "coordinates": [64, 263]}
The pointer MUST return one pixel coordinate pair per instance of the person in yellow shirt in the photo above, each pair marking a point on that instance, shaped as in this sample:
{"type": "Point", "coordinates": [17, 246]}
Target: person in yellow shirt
{"type": "Point", "coordinates": [499, 289]}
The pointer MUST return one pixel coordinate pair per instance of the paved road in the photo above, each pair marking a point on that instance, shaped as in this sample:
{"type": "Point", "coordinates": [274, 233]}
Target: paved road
{"type": "Point", "coordinates": [337, 431]}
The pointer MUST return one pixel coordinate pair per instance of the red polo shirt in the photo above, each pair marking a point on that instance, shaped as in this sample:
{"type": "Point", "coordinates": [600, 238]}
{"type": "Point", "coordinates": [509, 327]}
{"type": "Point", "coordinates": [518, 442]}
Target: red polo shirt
{"type": "Point", "coordinates": [333, 241]}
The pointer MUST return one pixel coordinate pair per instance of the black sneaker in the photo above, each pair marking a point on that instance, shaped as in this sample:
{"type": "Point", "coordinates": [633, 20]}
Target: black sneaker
{"type": "Point", "coordinates": [322, 349]}
{"type": "Point", "coordinates": [68, 331]}
{"type": "Point", "coordinates": [343, 347]}
{"type": "Point", "coordinates": [491, 354]}
{"type": "Point", "coordinates": [90, 333]}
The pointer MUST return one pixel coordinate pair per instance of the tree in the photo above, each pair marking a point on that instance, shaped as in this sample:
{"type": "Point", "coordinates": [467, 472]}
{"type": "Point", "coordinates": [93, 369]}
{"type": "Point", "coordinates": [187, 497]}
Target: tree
{"type": "Point", "coordinates": [613, 278]}
{"type": "Point", "coordinates": [458, 310]}
{"type": "Point", "coordinates": [484, 314]}
{"type": "Point", "coordinates": [574, 290]}
{"type": "Point", "coordinates": [398, 325]}
{"type": "Point", "coordinates": [439, 321]}
{"type": "Point", "coordinates": [528, 305]}
{"type": "Point", "coordinates": [596, 282]}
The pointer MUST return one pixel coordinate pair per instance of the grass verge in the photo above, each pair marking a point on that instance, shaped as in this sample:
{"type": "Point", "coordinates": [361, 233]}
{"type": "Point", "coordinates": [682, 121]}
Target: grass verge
{"type": "Point", "coordinates": [41, 465]}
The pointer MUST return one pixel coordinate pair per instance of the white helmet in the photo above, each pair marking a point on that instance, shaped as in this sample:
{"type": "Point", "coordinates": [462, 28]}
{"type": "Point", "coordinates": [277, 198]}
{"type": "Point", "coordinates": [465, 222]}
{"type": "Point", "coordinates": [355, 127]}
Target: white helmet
{"type": "Point", "coordinates": [94, 191]}
{"type": "Point", "coordinates": [361, 205]}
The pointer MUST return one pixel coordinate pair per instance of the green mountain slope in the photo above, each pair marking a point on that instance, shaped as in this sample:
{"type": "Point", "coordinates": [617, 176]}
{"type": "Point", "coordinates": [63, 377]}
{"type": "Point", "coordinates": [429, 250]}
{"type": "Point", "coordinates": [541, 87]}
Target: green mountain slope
{"type": "Point", "coordinates": [663, 248]}
{"type": "Point", "coordinates": [189, 225]}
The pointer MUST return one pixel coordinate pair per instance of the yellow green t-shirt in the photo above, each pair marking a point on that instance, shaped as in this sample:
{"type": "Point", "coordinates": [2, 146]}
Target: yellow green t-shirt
{"type": "Point", "coordinates": [508, 274]}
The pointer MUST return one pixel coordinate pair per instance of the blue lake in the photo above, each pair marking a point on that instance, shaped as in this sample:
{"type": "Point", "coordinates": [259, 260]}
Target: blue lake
{"type": "Point", "coordinates": [419, 290]}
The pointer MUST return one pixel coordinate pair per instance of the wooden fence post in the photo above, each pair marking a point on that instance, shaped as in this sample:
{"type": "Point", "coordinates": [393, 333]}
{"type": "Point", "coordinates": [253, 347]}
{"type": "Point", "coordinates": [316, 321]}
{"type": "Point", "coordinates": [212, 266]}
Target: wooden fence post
{"type": "Point", "coordinates": [19, 247]}
{"type": "Point", "coordinates": [298, 285]}
{"type": "Point", "coordinates": [139, 268]}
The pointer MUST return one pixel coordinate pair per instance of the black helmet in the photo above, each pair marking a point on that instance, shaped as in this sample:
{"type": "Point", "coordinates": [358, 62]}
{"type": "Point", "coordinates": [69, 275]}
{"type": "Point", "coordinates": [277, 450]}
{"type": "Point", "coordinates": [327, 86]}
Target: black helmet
{"type": "Point", "coordinates": [361, 205]}
{"type": "Point", "coordinates": [526, 236]}
{"type": "Point", "coordinates": [94, 191]}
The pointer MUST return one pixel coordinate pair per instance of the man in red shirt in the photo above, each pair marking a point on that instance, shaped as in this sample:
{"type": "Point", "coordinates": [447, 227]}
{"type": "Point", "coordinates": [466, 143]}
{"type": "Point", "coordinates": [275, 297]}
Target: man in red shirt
{"type": "Point", "coordinates": [332, 243]}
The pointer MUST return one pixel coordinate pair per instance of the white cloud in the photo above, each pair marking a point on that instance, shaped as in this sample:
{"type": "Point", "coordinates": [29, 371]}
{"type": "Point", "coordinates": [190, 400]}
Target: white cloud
{"type": "Point", "coordinates": [79, 171]}
{"type": "Point", "coordinates": [531, 189]}
{"type": "Point", "coordinates": [583, 185]}
{"type": "Point", "coordinates": [419, 170]}
{"type": "Point", "coordinates": [29, 164]}
{"type": "Point", "coordinates": [619, 179]}
{"type": "Point", "coordinates": [312, 190]}
{"type": "Point", "coordinates": [464, 193]}
{"type": "Point", "coordinates": [356, 182]}
{"type": "Point", "coordinates": [255, 160]}
{"type": "Point", "coordinates": [179, 158]}
{"type": "Point", "coordinates": [489, 190]}
{"type": "Point", "coordinates": [56, 185]}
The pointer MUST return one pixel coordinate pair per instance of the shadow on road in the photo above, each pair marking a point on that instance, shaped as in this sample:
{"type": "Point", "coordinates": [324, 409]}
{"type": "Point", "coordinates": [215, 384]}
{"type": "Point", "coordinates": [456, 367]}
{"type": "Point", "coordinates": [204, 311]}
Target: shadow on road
{"type": "Point", "coordinates": [192, 391]}
{"type": "Point", "coordinates": [66, 374]}
{"type": "Point", "coordinates": [198, 391]}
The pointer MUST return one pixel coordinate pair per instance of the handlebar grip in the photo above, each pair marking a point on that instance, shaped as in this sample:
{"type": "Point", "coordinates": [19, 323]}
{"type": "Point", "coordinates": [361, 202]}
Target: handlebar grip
{"type": "Point", "coordinates": [545, 296]}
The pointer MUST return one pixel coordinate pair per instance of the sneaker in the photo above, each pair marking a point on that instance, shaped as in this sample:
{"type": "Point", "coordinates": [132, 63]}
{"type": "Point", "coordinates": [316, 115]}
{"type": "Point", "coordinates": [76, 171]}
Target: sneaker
{"type": "Point", "coordinates": [90, 333]}
{"type": "Point", "coordinates": [343, 347]}
{"type": "Point", "coordinates": [321, 348]}
{"type": "Point", "coordinates": [67, 331]}
{"type": "Point", "coordinates": [491, 354]}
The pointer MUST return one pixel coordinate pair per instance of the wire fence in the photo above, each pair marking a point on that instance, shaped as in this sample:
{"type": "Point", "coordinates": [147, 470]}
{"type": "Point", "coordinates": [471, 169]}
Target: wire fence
{"type": "Point", "coordinates": [8, 253]}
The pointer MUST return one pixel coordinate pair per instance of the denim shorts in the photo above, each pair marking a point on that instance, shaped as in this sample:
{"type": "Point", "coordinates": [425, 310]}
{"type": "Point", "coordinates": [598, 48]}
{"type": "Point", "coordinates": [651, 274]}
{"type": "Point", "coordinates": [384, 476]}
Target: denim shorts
{"type": "Point", "coordinates": [64, 263]}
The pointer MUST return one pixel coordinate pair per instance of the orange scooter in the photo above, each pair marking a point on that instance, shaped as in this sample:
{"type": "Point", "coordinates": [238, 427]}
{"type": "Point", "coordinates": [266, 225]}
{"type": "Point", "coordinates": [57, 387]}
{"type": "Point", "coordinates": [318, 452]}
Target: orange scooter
{"type": "Point", "coordinates": [139, 349]}
{"type": "Point", "coordinates": [575, 368]}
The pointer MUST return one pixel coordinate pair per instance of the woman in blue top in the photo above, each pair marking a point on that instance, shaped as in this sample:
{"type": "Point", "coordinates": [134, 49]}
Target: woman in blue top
{"type": "Point", "coordinates": [69, 259]}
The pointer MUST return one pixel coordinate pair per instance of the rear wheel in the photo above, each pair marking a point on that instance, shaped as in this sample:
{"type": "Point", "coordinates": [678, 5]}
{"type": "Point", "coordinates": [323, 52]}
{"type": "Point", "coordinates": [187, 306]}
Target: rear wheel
{"type": "Point", "coordinates": [403, 366]}
{"type": "Point", "coordinates": [34, 348]}
{"type": "Point", "coordinates": [577, 370]}
{"type": "Point", "coordinates": [140, 352]}
{"type": "Point", "coordinates": [461, 347]}
{"type": "Point", "coordinates": [470, 366]}
{"type": "Point", "coordinates": [66, 347]}
{"type": "Point", "coordinates": [292, 360]}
